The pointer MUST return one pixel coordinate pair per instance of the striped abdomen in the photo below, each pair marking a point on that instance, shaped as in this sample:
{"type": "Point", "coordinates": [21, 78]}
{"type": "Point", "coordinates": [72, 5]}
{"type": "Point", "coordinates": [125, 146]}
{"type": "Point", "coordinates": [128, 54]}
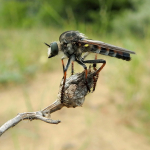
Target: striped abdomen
{"type": "Point", "coordinates": [106, 49]}
{"type": "Point", "coordinates": [111, 52]}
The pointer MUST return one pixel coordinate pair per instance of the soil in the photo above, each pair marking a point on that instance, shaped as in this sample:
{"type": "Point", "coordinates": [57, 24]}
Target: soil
{"type": "Point", "coordinates": [98, 124]}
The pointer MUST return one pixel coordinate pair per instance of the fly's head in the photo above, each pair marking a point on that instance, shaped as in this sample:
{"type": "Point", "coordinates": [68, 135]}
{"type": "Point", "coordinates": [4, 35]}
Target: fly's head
{"type": "Point", "coordinates": [52, 49]}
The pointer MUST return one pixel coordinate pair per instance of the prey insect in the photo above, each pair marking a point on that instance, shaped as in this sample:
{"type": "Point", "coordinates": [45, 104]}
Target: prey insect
{"type": "Point", "coordinates": [73, 44]}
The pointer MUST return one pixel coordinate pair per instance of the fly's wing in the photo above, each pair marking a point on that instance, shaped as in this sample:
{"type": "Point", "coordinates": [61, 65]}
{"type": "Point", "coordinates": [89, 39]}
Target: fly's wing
{"type": "Point", "coordinates": [107, 49]}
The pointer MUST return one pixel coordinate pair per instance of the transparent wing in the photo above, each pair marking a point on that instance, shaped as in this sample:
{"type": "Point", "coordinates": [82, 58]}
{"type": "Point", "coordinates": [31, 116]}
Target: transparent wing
{"type": "Point", "coordinates": [102, 45]}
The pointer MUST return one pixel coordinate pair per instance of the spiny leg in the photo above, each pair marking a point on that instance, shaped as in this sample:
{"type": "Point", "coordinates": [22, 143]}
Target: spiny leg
{"type": "Point", "coordinates": [86, 72]}
{"type": "Point", "coordinates": [95, 62]}
{"type": "Point", "coordinates": [94, 65]}
{"type": "Point", "coordinates": [86, 82]}
{"type": "Point", "coordinates": [72, 68]}
{"type": "Point", "coordinates": [85, 55]}
{"type": "Point", "coordinates": [97, 75]}
{"type": "Point", "coordinates": [95, 78]}
{"type": "Point", "coordinates": [97, 71]}
{"type": "Point", "coordinates": [64, 77]}
{"type": "Point", "coordinates": [72, 58]}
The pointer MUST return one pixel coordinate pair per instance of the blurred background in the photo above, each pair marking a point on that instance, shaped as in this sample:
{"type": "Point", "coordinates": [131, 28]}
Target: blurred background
{"type": "Point", "coordinates": [116, 115]}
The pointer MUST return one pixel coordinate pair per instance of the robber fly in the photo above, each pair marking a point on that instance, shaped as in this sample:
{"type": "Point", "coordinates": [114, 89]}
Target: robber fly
{"type": "Point", "coordinates": [74, 43]}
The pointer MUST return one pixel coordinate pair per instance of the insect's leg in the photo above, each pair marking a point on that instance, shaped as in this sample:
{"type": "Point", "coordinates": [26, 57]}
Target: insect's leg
{"type": "Point", "coordinates": [95, 62]}
{"type": "Point", "coordinates": [97, 71]}
{"type": "Point", "coordinates": [95, 78]}
{"type": "Point", "coordinates": [64, 77]}
{"type": "Point", "coordinates": [63, 62]}
{"type": "Point", "coordinates": [72, 68]}
{"type": "Point", "coordinates": [65, 74]}
{"type": "Point", "coordinates": [94, 65]}
{"type": "Point", "coordinates": [85, 55]}
{"type": "Point", "coordinates": [97, 74]}
{"type": "Point", "coordinates": [85, 68]}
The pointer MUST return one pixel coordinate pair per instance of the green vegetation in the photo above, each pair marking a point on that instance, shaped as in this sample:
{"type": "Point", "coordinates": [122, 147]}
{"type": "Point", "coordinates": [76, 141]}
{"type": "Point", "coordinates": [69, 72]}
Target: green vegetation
{"type": "Point", "coordinates": [23, 53]}
{"type": "Point", "coordinates": [98, 16]}
{"type": "Point", "coordinates": [25, 25]}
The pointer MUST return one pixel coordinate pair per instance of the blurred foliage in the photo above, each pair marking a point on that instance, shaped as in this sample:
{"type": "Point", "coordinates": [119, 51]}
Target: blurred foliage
{"type": "Point", "coordinates": [23, 53]}
{"type": "Point", "coordinates": [26, 24]}
{"type": "Point", "coordinates": [102, 16]}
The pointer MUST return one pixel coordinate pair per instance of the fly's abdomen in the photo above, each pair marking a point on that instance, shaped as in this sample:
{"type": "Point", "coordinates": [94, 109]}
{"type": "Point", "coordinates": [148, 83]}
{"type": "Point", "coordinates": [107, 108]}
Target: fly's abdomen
{"type": "Point", "coordinates": [110, 52]}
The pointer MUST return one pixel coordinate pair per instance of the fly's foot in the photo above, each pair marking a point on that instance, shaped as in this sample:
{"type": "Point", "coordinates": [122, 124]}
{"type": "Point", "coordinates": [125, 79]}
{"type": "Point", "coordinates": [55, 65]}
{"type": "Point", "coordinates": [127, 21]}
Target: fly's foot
{"type": "Point", "coordinates": [95, 78]}
{"type": "Point", "coordinates": [88, 88]}
{"type": "Point", "coordinates": [63, 89]}
{"type": "Point", "coordinates": [72, 68]}
{"type": "Point", "coordinates": [62, 93]}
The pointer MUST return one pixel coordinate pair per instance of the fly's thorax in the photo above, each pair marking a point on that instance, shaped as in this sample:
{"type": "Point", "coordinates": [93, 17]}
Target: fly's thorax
{"type": "Point", "coordinates": [67, 49]}
{"type": "Point", "coordinates": [70, 49]}
{"type": "Point", "coordinates": [70, 36]}
{"type": "Point", "coordinates": [87, 48]}
{"type": "Point", "coordinates": [79, 53]}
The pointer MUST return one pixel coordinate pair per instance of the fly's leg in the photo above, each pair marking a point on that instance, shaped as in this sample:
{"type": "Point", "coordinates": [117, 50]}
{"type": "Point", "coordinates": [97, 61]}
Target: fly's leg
{"type": "Point", "coordinates": [85, 55]}
{"type": "Point", "coordinates": [97, 71]}
{"type": "Point", "coordinates": [95, 78]}
{"type": "Point", "coordinates": [72, 58]}
{"type": "Point", "coordinates": [65, 74]}
{"type": "Point", "coordinates": [72, 68]}
{"type": "Point", "coordinates": [86, 72]}
{"type": "Point", "coordinates": [86, 82]}
{"type": "Point", "coordinates": [94, 65]}
{"type": "Point", "coordinates": [97, 75]}
{"type": "Point", "coordinates": [95, 62]}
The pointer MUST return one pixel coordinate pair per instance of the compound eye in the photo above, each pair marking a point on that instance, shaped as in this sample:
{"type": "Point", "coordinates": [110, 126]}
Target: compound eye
{"type": "Point", "coordinates": [49, 51]}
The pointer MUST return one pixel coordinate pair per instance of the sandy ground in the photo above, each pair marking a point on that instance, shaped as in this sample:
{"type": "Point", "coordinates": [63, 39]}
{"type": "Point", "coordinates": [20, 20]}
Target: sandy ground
{"type": "Point", "coordinates": [97, 125]}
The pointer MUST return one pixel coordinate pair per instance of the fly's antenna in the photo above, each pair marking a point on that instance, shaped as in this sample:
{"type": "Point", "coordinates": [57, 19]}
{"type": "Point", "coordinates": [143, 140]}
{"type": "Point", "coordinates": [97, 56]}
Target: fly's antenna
{"type": "Point", "coordinates": [47, 44]}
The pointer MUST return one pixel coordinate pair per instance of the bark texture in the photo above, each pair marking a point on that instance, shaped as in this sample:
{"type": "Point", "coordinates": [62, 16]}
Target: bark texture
{"type": "Point", "coordinates": [74, 96]}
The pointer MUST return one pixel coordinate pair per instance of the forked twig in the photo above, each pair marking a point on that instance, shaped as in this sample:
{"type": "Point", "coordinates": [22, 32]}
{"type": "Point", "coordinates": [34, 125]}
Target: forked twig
{"type": "Point", "coordinates": [74, 96]}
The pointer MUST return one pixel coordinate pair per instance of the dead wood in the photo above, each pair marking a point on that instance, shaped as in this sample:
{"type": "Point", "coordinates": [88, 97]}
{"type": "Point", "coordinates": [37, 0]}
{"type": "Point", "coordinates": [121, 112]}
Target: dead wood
{"type": "Point", "coordinates": [74, 96]}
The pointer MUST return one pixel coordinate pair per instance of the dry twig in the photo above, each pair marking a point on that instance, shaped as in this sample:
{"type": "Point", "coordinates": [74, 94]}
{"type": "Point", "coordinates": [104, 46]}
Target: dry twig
{"type": "Point", "coordinates": [74, 96]}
